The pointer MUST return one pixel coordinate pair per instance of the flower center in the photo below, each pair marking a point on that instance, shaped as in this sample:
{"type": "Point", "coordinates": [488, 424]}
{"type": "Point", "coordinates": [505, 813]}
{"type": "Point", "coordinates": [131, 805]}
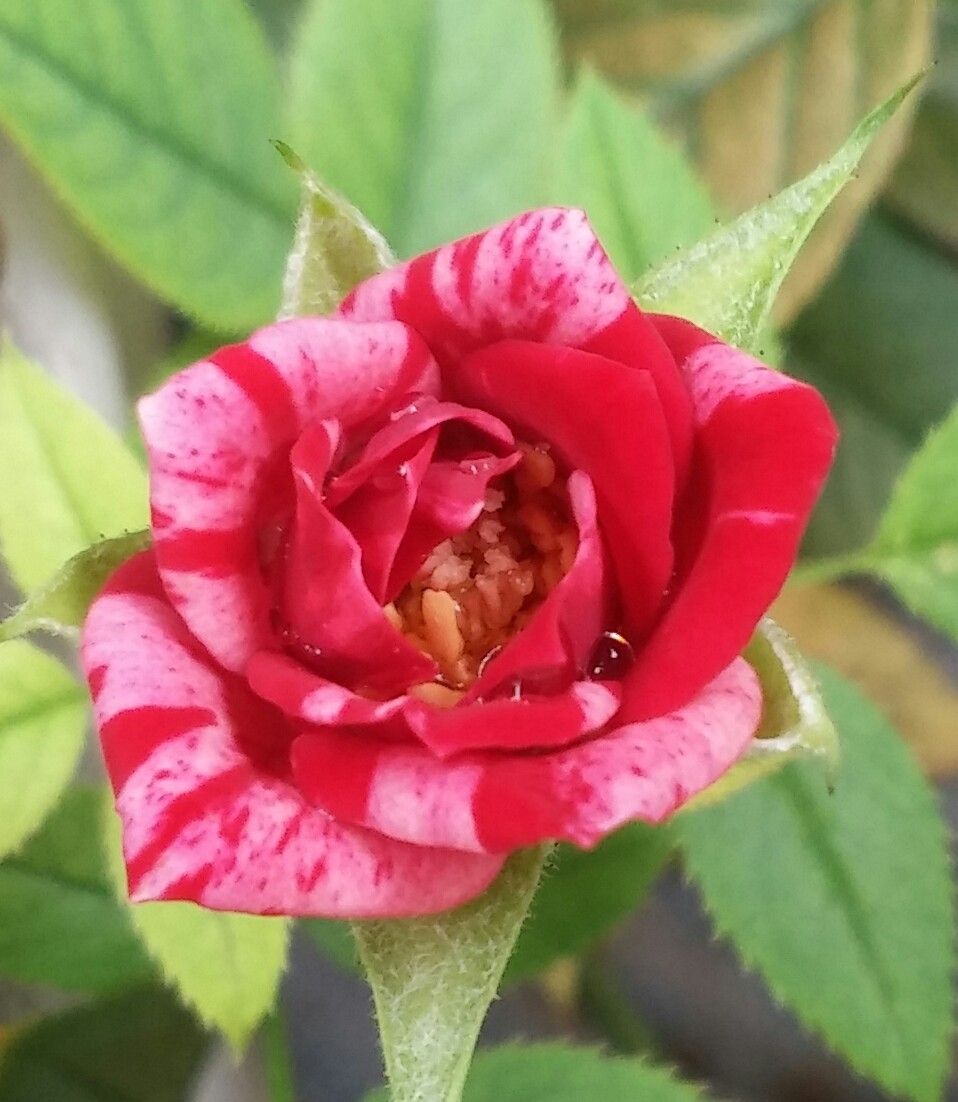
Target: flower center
{"type": "Point", "coordinates": [476, 590]}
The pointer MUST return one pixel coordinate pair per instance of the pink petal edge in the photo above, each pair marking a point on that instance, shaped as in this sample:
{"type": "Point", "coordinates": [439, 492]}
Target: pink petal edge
{"type": "Point", "coordinates": [495, 803]}
{"type": "Point", "coordinates": [200, 822]}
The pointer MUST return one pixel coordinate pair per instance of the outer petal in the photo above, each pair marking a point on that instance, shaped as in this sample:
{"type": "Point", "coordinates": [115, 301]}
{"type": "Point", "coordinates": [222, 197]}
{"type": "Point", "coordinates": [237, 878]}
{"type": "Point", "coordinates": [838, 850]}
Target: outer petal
{"type": "Point", "coordinates": [764, 444]}
{"type": "Point", "coordinates": [215, 435]}
{"type": "Point", "coordinates": [606, 420]}
{"type": "Point", "coordinates": [200, 820]}
{"type": "Point", "coordinates": [531, 722]}
{"type": "Point", "coordinates": [542, 276]}
{"type": "Point", "coordinates": [499, 802]}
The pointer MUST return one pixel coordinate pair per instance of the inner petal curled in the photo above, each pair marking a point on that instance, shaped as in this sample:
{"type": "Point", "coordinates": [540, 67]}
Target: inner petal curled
{"type": "Point", "coordinates": [476, 590]}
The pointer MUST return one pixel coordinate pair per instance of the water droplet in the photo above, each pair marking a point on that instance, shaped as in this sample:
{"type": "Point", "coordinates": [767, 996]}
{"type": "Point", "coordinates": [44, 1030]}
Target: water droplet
{"type": "Point", "coordinates": [612, 657]}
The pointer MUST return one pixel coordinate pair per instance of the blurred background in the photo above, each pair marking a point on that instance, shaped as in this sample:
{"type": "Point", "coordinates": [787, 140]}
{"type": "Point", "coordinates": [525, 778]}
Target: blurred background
{"type": "Point", "coordinates": [123, 257]}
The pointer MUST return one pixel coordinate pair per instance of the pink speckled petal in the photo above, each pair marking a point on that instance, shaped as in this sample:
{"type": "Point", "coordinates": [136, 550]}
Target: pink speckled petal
{"type": "Point", "coordinates": [216, 434]}
{"type": "Point", "coordinates": [208, 815]}
{"type": "Point", "coordinates": [542, 276]}
{"type": "Point", "coordinates": [497, 802]}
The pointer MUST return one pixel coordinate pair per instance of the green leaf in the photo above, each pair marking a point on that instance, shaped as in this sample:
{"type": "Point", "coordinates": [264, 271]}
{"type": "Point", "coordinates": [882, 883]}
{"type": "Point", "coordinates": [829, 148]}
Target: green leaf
{"type": "Point", "coordinates": [852, 343]}
{"type": "Point", "coordinates": [226, 967]}
{"type": "Point", "coordinates": [924, 186]}
{"type": "Point", "coordinates": [642, 196]}
{"type": "Point", "coordinates": [61, 605]}
{"type": "Point", "coordinates": [843, 903]}
{"type": "Point", "coordinates": [60, 923]}
{"type": "Point", "coordinates": [916, 549]}
{"type": "Point", "coordinates": [434, 977]}
{"type": "Point", "coordinates": [727, 282]}
{"type": "Point", "coordinates": [138, 1046]}
{"type": "Point", "coordinates": [762, 91]}
{"type": "Point", "coordinates": [794, 724]}
{"type": "Point", "coordinates": [151, 122]}
{"type": "Point", "coordinates": [334, 249]}
{"type": "Point", "coordinates": [530, 1073]}
{"type": "Point", "coordinates": [42, 727]}
{"type": "Point", "coordinates": [75, 482]}
{"type": "Point", "coordinates": [614, 878]}
{"type": "Point", "coordinates": [395, 105]}
{"type": "Point", "coordinates": [334, 940]}
{"type": "Point", "coordinates": [277, 1057]}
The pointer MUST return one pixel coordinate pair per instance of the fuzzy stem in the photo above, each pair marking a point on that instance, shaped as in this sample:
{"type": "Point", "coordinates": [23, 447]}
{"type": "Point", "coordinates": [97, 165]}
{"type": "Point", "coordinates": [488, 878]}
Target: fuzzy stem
{"type": "Point", "coordinates": [433, 979]}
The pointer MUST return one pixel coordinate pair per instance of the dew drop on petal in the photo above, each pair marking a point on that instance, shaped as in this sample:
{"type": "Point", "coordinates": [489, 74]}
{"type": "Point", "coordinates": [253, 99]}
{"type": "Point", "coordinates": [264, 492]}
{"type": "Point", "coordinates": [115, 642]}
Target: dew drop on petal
{"type": "Point", "coordinates": [612, 657]}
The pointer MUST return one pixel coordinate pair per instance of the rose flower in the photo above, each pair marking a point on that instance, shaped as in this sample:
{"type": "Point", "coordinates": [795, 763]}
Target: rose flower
{"type": "Point", "coordinates": [466, 567]}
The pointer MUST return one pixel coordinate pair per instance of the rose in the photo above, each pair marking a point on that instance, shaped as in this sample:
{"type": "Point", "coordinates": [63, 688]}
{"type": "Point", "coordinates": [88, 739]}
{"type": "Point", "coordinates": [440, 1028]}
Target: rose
{"type": "Point", "coordinates": [464, 568]}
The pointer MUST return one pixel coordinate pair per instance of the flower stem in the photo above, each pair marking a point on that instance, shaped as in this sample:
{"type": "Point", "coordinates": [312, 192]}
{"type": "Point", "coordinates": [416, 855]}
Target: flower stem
{"type": "Point", "coordinates": [433, 979]}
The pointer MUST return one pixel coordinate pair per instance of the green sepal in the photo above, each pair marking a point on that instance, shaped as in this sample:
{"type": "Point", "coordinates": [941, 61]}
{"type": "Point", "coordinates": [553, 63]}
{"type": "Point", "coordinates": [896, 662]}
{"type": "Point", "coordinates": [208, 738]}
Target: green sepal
{"type": "Point", "coordinates": [794, 723]}
{"type": "Point", "coordinates": [335, 247]}
{"type": "Point", "coordinates": [60, 606]}
{"type": "Point", "coordinates": [728, 282]}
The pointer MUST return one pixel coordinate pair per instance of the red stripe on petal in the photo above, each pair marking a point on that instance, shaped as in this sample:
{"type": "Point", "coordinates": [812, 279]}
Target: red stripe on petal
{"type": "Point", "coordinates": [764, 444]}
{"type": "Point", "coordinates": [213, 553]}
{"type": "Point", "coordinates": [260, 381]}
{"type": "Point", "coordinates": [178, 812]}
{"type": "Point", "coordinates": [540, 276]}
{"type": "Point", "coordinates": [129, 737]}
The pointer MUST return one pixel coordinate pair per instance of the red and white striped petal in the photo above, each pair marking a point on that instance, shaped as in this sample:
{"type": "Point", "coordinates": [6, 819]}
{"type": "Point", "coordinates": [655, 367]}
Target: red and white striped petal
{"type": "Point", "coordinates": [216, 434]}
{"type": "Point", "coordinates": [203, 819]}
{"type": "Point", "coordinates": [542, 276]}
{"type": "Point", "coordinates": [497, 802]}
{"type": "Point", "coordinates": [529, 722]}
{"type": "Point", "coordinates": [304, 695]}
{"type": "Point", "coordinates": [764, 444]}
